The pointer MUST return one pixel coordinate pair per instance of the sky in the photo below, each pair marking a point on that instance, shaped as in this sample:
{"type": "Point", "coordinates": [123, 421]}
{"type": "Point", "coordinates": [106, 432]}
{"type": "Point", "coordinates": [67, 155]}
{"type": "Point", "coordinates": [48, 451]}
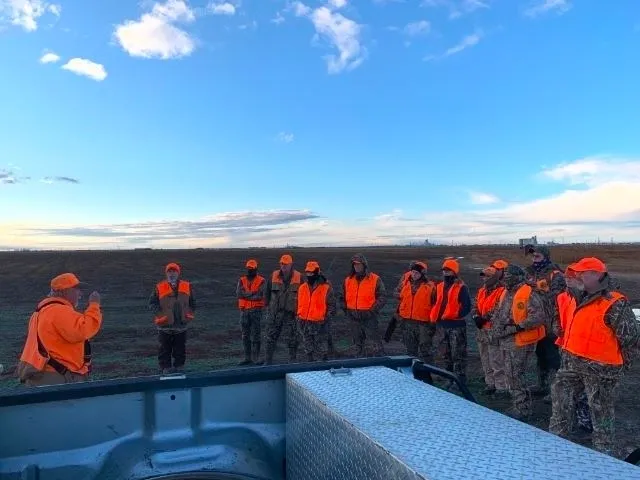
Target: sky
{"type": "Point", "coordinates": [237, 123]}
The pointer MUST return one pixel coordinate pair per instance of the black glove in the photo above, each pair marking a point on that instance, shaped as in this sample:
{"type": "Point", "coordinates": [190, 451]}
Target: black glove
{"type": "Point", "coordinates": [390, 329]}
{"type": "Point", "coordinates": [480, 322]}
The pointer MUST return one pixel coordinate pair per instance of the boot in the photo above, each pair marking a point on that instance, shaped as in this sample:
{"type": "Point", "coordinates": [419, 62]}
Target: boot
{"type": "Point", "coordinates": [542, 388]}
{"type": "Point", "coordinates": [268, 354]}
{"type": "Point", "coordinates": [256, 352]}
{"type": "Point", "coordinates": [247, 352]}
{"type": "Point", "coordinates": [293, 354]}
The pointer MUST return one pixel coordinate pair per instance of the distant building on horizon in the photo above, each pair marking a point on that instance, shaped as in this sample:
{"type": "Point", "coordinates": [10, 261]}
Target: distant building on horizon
{"type": "Point", "coordinates": [528, 241]}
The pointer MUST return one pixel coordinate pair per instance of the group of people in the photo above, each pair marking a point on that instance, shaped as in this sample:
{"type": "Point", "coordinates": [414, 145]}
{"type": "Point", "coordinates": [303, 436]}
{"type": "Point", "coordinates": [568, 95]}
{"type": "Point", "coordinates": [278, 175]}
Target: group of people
{"type": "Point", "coordinates": [581, 329]}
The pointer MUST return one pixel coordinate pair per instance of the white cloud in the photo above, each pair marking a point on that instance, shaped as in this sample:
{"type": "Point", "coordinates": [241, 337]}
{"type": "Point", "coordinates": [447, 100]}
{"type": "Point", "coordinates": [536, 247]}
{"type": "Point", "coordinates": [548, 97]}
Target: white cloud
{"type": "Point", "coordinates": [417, 28]}
{"type": "Point", "coordinates": [286, 137]}
{"type": "Point", "coordinates": [457, 8]}
{"type": "Point", "coordinates": [479, 198]}
{"type": "Point", "coordinates": [155, 35]}
{"type": "Point", "coordinates": [86, 68]}
{"type": "Point", "coordinates": [278, 19]}
{"type": "Point", "coordinates": [545, 6]}
{"type": "Point", "coordinates": [341, 32]}
{"type": "Point", "coordinates": [25, 13]}
{"type": "Point", "coordinates": [245, 26]}
{"type": "Point", "coordinates": [49, 57]}
{"type": "Point", "coordinates": [467, 42]}
{"type": "Point", "coordinates": [338, 3]}
{"type": "Point", "coordinates": [602, 199]}
{"type": "Point", "coordinates": [225, 8]}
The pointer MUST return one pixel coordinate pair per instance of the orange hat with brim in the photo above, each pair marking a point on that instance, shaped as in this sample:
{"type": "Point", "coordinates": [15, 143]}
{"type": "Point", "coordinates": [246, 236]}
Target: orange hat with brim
{"type": "Point", "coordinates": [451, 264]}
{"type": "Point", "coordinates": [66, 281]}
{"type": "Point", "coordinates": [251, 264]}
{"type": "Point", "coordinates": [570, 272]}
{"type": "Point", "coordinates": [589, 264]}
{"type": "Point", "coordinates": [500, 264]}
{"type": "Point", "coordinates": [312, 266]}
{"type": "Point", "coordinates": [172, 266]}
{"type": "Point", "coordinates": [286, 259]}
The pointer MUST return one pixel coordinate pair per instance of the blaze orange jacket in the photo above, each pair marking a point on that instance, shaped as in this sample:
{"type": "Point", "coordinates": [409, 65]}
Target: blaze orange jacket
{"type": "Point", "coordinates": [62, 332]}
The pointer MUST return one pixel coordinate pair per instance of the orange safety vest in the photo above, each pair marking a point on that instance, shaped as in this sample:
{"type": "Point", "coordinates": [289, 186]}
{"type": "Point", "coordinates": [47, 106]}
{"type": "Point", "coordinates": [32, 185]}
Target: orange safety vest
{"type": "Point", "coordinates": [519, 315]}
{"type": "Point", "coordinates": [452, 308]}
{"type": "Point", "coordinates": [566, 305]}
{"type": "Point", "coordinates": [168, 298]}
{"type": "Point", "coordinates": [486, 303]}
{"type": "Point", "coordinates": [588, 336]}
{"type": "Point", "coordinates": [296, 279]}
{"type": "Point", "coordinates": [544, 283]}
{"type": "Point", "coordinates": [251, 287]}
{"type": "Point", "coordinates": [312, 304]}
{"type": "Point", "coordinates": [416, 306]}
{"type": "Point", "coordinates": [361, 295]}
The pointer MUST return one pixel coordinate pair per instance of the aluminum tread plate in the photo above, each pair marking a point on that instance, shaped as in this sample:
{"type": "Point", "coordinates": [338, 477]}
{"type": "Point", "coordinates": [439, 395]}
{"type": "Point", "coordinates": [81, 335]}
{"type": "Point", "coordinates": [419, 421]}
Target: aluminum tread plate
{"type": "Point", "coordinates": [340, 426]}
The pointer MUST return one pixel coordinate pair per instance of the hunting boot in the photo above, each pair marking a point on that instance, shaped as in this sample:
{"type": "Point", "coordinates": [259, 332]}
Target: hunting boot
{"type": "Point", "coordinates": [331, 350]}
{"type": "Point", "coordinates": [542, 388]}
{"type": "Point", "coordinates": [247, 352]}
{"type": "Point", "coordinates": [256, 352]}
{"type": "Point", "coordinates": [293, 354]}
{"type": "Point", "coordinates": [268, 354]}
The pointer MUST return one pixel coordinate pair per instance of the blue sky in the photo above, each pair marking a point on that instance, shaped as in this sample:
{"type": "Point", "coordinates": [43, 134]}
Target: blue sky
{"type": "Point", "coordinates": [266, 122]}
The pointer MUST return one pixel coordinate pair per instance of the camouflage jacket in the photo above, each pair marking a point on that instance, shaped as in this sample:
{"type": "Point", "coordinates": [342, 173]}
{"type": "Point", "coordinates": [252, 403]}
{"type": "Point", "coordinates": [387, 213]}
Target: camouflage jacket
{"type": "Point", "coordinates": [503, 328]}
{"type": "Point", "coordinates": [621, 319]}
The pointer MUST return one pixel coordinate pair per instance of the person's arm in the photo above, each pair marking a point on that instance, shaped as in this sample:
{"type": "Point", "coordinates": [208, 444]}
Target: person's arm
{"type": "Point", "coordinates": [343, 296]}
{"type": "Point", "coordinates": [398, 289]}
{"type": "Point", "coordinates": [241, 292]}
{"type": "Point", "coordinates": [154, 301]}
{"type": "Point", "coordinates": [538, 311]}
{"type": "Point", "coordinates": [621, 319]}
{"type": "Point", "coordinates": [258, 294]}
{"type": "Point", "coordinates": [381, 296]}
{"type": "Point", "coordinates": [558, 284]}
{"type": "Point", "coordinates": [76, 327]}
{"type": "Point", "coordinates": [464, 298]}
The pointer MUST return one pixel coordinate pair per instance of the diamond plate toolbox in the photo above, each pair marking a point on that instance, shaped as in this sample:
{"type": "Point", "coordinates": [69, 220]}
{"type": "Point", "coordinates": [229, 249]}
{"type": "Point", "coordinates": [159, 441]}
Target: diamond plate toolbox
{"type": "Point", "coordinates": [377, 423]}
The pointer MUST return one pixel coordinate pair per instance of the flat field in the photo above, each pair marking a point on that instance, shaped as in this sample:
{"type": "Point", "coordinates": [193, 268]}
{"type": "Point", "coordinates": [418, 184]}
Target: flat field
{"type": "Point", "coordinates": [127, 345]}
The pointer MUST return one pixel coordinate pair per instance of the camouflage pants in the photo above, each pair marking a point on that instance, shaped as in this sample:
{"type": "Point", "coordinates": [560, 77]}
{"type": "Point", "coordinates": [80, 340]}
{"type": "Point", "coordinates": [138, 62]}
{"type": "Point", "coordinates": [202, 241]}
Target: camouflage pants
{"type": "Point", "coordinates": [282, 322]}
{"type": "Point", "coordinates": [314, 339]}
{"type": "Point", "coordinates": [452, 349]}
{"type": "Point", "coordinates": [250, 324]}
{"type": "Point", "coordinates": [418, 339]}
{"type": "Point", "coordinates": [516, 361]}
{"type": "Point", "coordinates": [600, 391]}
{"type": "Point", "coordinates": [366, 329]}
{"type": "Point", "coordinates": [492, 358]}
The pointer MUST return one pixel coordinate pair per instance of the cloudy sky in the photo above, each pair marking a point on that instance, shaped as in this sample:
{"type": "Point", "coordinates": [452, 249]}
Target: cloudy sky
{"type": "Point", "coordinates": [317, 122]}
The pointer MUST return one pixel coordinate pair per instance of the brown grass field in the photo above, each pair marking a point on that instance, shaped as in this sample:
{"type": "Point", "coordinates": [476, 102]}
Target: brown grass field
{"type": "Point", "coordinates": [126, 345]}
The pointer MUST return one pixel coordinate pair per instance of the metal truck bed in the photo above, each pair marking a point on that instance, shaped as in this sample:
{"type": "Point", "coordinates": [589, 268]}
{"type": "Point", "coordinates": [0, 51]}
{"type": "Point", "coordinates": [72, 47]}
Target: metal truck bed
{"type": "Point", "coordinates": [371, 420]}
{"type": "Point", "coordinates": [376, 423]}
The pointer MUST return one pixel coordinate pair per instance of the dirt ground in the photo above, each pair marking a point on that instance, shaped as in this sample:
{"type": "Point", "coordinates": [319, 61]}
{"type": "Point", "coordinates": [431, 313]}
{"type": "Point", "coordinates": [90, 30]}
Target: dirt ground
{"type": "Point", "coordinates": [127, 345]}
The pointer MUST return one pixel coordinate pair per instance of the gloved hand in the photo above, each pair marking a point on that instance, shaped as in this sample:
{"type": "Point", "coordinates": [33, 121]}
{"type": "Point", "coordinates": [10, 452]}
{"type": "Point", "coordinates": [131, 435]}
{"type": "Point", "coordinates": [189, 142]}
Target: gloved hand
{"type": "Point", "coordinates": [480, 322]}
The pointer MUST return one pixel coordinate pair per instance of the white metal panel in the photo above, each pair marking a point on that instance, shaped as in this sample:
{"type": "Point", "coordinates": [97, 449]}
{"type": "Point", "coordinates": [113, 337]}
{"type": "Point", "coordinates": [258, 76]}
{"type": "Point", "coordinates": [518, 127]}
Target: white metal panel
{"type": "Point", "coordinates": [377, 423]}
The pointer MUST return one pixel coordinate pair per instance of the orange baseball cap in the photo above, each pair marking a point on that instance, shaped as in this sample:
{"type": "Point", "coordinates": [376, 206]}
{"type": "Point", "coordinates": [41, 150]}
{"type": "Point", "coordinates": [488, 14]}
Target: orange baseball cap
{"type": "Point", "coordinates": [172, 266]}
{"type": "Point", "coordinates": [251, 264]}
{"type": "Point", "coordinates": [500, 264]}
{"type": "Point", "coordinates": [589, 264]}
{"type": "Point", "coordinates": [570, 272]}
{"type": "Point", "coordinates": [452, 265]}
{"type": "Point", "coordinates": [312, 266]}
{"type": "Point", "coordinates": [286, 259]}
{"type": "Point", "coordinates": [66, 281]}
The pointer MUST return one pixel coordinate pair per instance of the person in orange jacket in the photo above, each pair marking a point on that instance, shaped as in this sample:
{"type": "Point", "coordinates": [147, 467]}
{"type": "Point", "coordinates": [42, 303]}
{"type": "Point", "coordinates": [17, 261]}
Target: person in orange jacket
{"type": "Point", "coordinates": [252, 300]}
{"type": "Point", "coordinates": [174, 306]}
{"type": "Point", "coordinates": [599, 342]}
{"type": "Point", "coordinates": [58, 335]}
